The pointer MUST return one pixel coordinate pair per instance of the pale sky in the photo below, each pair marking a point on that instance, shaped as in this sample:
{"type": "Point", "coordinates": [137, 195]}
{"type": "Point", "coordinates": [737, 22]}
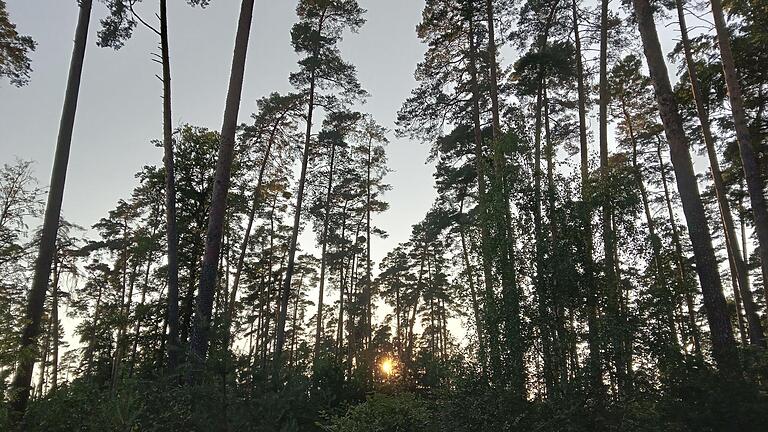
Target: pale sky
{"type": "Point", "coordinates": [119, 110]}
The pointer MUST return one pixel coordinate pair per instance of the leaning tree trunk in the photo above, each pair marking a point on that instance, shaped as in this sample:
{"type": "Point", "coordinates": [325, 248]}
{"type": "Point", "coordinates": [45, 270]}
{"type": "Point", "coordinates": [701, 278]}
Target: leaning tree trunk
{"type": "Point", "coordinates": [172, 233]}
{"type": "Point", "coordinates": [34, 311]}
{"type": "Point", "coordinates": [256, 200]}
{"type": "Point", "coordinates": [679, 260]}
{"type": "Point", "coordinates": [731, 241]}
{"type": "Point", "coordinates": [285, 293]}
{"type": "Point", "coordinates": [723, 344]}
{"type": "Point", "coordinates": [748, 158]}
{"type": "Point", "coordinates": [204, 304]}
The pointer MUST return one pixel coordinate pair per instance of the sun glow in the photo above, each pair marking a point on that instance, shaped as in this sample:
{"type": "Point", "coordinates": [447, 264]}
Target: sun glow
{"type": "Point", "coordinates": [387, 366]}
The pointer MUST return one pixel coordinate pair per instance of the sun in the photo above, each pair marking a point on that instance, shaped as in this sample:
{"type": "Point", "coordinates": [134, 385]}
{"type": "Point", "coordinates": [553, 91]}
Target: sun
{"type": "Point", "coordinates": [387, 366]}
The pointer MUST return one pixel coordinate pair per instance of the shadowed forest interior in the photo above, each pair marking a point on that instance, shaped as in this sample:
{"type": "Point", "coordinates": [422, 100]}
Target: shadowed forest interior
{"type": "Point", "coordinates": [595, 258]}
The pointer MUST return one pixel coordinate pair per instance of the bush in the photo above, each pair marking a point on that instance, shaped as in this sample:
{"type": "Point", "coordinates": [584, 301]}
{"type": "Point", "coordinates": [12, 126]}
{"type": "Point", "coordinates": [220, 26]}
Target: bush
{"type": "Point", "coordinates": [386, 413]}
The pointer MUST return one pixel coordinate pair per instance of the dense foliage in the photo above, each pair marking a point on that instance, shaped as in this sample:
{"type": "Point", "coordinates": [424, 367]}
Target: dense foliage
{"type": "Point", "coordinates": [558, 283]}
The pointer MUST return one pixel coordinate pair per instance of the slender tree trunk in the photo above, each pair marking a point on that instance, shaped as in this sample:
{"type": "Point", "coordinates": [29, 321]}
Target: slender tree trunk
{"type": "Point", "coordinates": [171, 233]}
{"type": "Point", "coordinates": [503, 219]}
{"type": "Point", "coordinates": [324, 248]}
{"type": "Point", "coordinates": [200, 336]}
{"type": "Point", "coordinates": [256, 200]}
{"type": "Point", "coordinates": [592, 335]}
{"type": "Point", "coordinates": [661, 280]}
{"type": "Point", "coordinates": [44, 361]}
{"type": "Point", "coordinates": [752, 174]}
{"type": "Point", "coordinates": [368, 277]}
{"type": "Point", "coordinates": [342, 282]}
{"type": "Point", "coordinates": [473, 298]}
{"type": "Point", "coordinates": [55, 329]}
{"type": "Point", "coordinates": [139, 318]}
{"type": "Point", "coordinates": [541, 274]}
{"type": "Point", "coordinates": [34, 311]}
{"type": "Point", "coordinates": [742, 326]}
{"type": "Point", "coordinates": [723, 344]}
{"type": "Point", "coordinates": [491, 314]}
{"type": "Point", "coordinates": [679, 260]}
{"type": "Point", "coordinates": [611, 280]}
{"type": "Point", "coordinates": [731, 241]}
{"type": "Point", "coordinates": [286, 289]}
{"type": "Point", "coordinates": [120, 342]}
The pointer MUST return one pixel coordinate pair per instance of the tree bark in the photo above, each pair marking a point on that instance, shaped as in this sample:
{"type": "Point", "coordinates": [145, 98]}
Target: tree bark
{"type": "Point", "coordinates": [171, 233]}
{"type": "Point", "coordinates": [731, 241]}
{"type": "Point", "coordinates": [204, 304]}
{"type": "Point", "coordinates": [34, 311]}
{"type": "Point", "coordinates": [491, 314]}
{"type": "Point", "coordinates": [723, 344]}
{"type": "Point", "coordinates": [749, 162]}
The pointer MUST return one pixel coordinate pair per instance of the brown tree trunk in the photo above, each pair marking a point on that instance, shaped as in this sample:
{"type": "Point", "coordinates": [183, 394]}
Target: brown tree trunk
{"type": "Point", "coordinates": [731, 241]}
{"type": "Point", "coordinates": [723, 344]}
{"type": "Point", "coordinates": [204, 305]}
{"type": "Point", "coordinates": [34, 310]}
{"type": "Point", "coordinates": [171, 232]}
{"type": "Point", "coordinates": [749, 162]}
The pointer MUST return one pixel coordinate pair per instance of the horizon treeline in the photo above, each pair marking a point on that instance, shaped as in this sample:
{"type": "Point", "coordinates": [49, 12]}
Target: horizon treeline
{"type": "Point", "coordinates": [575, 272]}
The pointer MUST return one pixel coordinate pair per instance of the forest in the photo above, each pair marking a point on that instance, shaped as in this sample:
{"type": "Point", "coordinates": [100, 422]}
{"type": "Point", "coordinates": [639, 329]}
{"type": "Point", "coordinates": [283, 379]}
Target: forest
{"type": "Point", "coordinates": [595, 258]}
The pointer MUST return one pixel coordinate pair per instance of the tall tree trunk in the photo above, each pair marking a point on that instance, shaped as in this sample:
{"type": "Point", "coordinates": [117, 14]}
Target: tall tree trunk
{"type": "Point", "coordinates": [611, 280]}
{"type": "Point", "coordinates": [502, 216]}
{"type": "Point", "coordinates": [749, 163]}
{"type": "Point", "coordinates": [324, 248]}
{"type": "Point", "coordinates": [731, 241]}
{"type": "Point", "coordinates": [679, 260]}
{"type": "Point", "coordinates": [723, 344]}
{"type": "Point", "coordinates": [541, 271]}
{"type": "Point", "coordinates": [139, 318]}
{"type": "Point", "coordinates": [491, 314]}
{"type": "Point", "coordinates": [34, 310]}
{"type": "Point", "coordinates": [55, 329]}
{"type": "Point", "coordinates": [121, 341]}
{"type": "Point", "coordinates": [202, 323]}
{"type": "Point", "coordinates": [661, 280]}
{"type": "Point", "coordinates": [171, 231]}
{"type": "Point", "coordinates": [285, 293]}
{"type": "Point", "coordinates": [482, 354]}
{"type": "Point", "coordinates": [593, 340]}
{"type": "Point", "coordinates": [256, 200]}
{"type": "Point", "coordinates": [368, 277]}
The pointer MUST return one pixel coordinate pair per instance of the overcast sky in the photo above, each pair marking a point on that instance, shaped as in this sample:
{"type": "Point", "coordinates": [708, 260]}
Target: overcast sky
{"type": "Point", "coordinates": [119, 110]}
